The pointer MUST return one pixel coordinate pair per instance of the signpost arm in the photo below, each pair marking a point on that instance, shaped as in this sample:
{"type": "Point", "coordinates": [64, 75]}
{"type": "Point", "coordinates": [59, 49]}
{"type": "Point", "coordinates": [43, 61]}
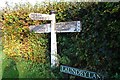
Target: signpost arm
{"type": "Point", "coordinates": [54, 59]}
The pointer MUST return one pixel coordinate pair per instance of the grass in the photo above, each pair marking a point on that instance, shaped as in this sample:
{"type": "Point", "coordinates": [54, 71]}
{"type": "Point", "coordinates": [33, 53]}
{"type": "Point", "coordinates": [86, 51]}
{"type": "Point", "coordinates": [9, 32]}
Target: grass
{"type": "Point", "coordinates": [9, 69]}
{"type": "Point", "coordinates": [0, 60]}
{"type": "Point", "coordinates": [13, 69]}
{"type": "Point", "coordinates": [24, 69]}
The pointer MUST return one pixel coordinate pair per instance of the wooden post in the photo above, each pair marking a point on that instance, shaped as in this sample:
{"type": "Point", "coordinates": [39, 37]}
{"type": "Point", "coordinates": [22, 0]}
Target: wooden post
{"type": "Point", "coordinates": [54, 59]}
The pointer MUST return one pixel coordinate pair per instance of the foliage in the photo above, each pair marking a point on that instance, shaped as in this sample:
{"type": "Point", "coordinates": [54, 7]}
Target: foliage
{"type": "Point", "coordinates": [17, 40]}
{"type": "Point", "coordinates": [95, 48]}
{"type": "Point", "coordinates": [98, 42]}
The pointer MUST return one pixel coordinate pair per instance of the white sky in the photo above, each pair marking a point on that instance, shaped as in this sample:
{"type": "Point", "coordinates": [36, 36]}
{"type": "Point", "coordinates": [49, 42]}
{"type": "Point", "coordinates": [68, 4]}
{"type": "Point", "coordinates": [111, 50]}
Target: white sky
{"type": "Point", "coordinates": [11, 2]}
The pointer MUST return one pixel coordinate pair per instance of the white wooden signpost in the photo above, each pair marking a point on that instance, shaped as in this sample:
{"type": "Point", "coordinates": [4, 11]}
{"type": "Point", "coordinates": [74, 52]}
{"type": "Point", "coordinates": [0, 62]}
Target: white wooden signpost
{"type": "Point", "coordinates": [54, 27]}
{"type": "Point", "coordinates": [73, 26]}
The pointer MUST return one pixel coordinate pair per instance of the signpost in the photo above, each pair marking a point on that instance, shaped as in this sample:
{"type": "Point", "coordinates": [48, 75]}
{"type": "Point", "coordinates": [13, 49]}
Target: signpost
{"type": "Point", "coordinates": [73, 26]}
{"type": "Point", "coordinates": [62, 27]}
{"type": "Point", "coordinates": [81, 73]}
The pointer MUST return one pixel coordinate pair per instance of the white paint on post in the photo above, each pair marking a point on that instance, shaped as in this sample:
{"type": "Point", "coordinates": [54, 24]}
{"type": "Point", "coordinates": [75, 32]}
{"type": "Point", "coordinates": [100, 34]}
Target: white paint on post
{"type": "Point", "coordinates": [54, 59]}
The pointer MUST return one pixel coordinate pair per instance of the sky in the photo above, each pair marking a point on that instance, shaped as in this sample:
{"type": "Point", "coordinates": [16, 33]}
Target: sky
{"type": "Point", "coordinates": [12, 2]}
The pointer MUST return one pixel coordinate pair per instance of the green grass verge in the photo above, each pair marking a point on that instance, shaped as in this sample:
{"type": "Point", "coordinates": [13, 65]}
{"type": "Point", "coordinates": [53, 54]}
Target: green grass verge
{"type": "Point", "coordinates": [0, 60]}
{"type": "Point", "coordinates": [25, 69]}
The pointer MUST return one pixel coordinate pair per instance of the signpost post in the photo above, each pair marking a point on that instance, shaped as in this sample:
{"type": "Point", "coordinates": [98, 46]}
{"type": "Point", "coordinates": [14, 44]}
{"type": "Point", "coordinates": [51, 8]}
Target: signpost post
{"type": "Point", "coordinates": [54, 59]}
{"type": "Point", "coordinates": [54, 27]}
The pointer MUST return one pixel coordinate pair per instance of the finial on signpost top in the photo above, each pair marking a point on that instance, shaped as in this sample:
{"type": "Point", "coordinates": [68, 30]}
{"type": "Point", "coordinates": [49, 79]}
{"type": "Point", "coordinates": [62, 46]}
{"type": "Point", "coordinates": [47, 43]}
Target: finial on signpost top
{"type": "Point", "coordinates": [52, 12]}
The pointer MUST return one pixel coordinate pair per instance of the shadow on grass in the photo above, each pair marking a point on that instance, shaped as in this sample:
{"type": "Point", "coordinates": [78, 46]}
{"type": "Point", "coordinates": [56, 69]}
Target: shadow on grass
{"type": "Point", "coordinates": [11, 71]}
